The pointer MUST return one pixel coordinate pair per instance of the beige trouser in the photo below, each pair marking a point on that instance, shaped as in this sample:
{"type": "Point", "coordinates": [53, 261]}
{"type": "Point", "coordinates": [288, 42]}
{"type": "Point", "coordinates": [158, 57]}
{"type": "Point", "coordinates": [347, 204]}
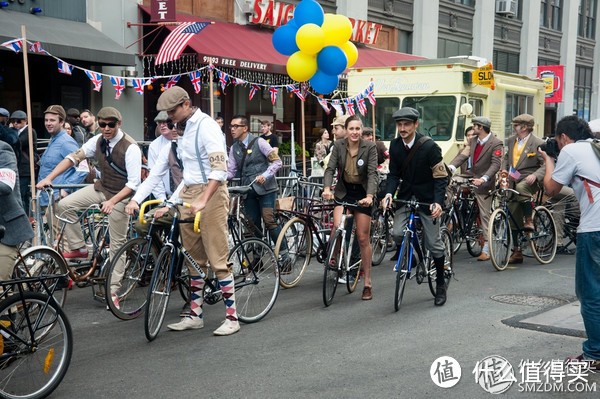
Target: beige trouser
{"type": "Point", "coordinates": [210, 245]}
{"type": "Point", "coordinates": [485, 211]}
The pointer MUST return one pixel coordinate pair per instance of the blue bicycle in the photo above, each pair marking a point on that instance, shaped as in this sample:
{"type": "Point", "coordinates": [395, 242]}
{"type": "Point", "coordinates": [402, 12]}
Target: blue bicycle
{"type": "Point", "coordinates": [412, 244]}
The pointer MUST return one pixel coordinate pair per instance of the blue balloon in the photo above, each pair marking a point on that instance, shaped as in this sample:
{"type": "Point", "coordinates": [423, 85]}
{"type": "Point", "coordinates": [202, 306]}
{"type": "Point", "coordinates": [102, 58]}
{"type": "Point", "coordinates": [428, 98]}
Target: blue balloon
{"type": "Point", "coordinates": [332, 60]}
{"type": "Point", "coordinates": [309, 12]}
{"type": "Point", "coordinates": [284, 39]}
{"type": "Point", "coordinates": [324, 83]}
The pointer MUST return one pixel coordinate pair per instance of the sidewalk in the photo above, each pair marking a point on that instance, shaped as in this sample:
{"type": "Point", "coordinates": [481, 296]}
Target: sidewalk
{"type": "Point", "coordinates": [564, 320]}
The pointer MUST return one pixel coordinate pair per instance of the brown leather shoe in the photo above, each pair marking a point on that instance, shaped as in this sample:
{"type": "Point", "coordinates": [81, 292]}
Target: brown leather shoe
{"type": "Point", "coordinates": [367, 295]}
{"type": "Point", "coordinates": [528, 225]}
{"type": "Point", "coordinates": [483, 257]}
{"type": "Point", "coordinates": [516, 257]}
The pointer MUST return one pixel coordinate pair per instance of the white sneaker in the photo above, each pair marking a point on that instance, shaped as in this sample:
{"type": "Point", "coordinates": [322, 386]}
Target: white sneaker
{"type": "Point", "coordinates": [187, 323]}
{"type": "Point", "coordinates": [228, 327]}
{"type": "Point", "coordinates": [342, 280]}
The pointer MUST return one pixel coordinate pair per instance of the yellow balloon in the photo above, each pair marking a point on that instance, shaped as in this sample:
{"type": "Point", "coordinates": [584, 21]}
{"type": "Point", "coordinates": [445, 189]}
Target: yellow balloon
{"type": "Point", "coordinates": [301, 66]}
{"type": "Point", "coordinates": [337, 28]}
{"type": "Point", "coordinates": [351, 52]}
{"type": "Point", "coordinates": [310, 38]}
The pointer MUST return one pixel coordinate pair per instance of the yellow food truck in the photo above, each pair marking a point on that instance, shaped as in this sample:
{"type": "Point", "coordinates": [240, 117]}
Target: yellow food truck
{"type": "Point", "coordinates": [448, 93]}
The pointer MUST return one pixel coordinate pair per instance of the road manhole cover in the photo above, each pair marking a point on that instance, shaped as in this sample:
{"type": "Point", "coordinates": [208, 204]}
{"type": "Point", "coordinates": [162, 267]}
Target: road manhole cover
{"type": "Point", "coordinates": [540, 301]}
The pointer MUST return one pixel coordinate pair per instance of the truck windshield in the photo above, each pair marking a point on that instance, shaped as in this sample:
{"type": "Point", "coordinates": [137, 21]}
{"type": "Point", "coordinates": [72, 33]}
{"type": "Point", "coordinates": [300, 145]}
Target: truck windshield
{"type": "Point", "coordinates": [438, 114]}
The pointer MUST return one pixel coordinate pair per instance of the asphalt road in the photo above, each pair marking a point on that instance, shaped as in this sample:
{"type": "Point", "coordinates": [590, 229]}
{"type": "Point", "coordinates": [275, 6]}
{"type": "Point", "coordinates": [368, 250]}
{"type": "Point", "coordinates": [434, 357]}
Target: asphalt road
{"type": "Point", "coordinates": [352, 349]}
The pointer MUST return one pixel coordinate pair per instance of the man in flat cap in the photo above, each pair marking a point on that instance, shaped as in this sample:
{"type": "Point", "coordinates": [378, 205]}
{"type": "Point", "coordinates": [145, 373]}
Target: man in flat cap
{"type": "Point", "coordinates": [203, 151]}
{"type": "Point", "coordinates": [76, 128]}
{"type": "Point", "coordinates": [120, 162]}
{"type": "Point", "coordinates": [525, 167]}
{"type": "Point", "coordinates": [417, 170]}
{"type": "Point", "coordinates": [483, 162]}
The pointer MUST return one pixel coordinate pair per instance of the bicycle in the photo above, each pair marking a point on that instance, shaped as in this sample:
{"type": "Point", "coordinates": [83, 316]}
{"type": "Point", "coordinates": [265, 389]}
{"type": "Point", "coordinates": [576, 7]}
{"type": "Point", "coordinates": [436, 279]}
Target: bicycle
{"type": "Point", "coordinates": [380, 234]}
{"type": "Point", "coordinates": [35, 337]}
{"type": "Point", "coordinates": [253, 264]}
{"type": "Point", "coordinates": [412, 242]}
{"type": "Point", "coordinates": [340, 263]}
{"type": "Point", "coordinates": [542, 240]}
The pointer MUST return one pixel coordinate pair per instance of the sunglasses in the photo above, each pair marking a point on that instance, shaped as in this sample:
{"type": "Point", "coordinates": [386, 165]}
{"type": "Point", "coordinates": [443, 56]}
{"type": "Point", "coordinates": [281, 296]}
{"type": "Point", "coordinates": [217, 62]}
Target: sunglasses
{"type": "Point", "coordinates": [235, 126]}
{"type": "Point", "coordinates": [111, 125]}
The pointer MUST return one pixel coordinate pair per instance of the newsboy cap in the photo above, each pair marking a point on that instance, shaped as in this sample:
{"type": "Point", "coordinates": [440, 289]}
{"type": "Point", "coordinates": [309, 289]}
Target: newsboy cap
{"type": "Point", "coordinates": [18, 114]}
{"type": "Point", "coordinates": [73, 112]}
{"type": "Point", "coordinates": [109, 113]}
{"type": "Point", "coordinates": [161, 117]}
{"type": "Point", "coordinates": [406, 114]}
{"type": "Point", "coordinates": [524, 119]}
{"type": "Point", "coordinates": [483, 121]}
{"type": "Point", "coordinates": [56, 109]}
{"type": "Point", "coordinates": [4, 112]}
{"type": "Point", "coordinates": [340, 120]}
{"type": "Point", "coordinates": [171, 98]}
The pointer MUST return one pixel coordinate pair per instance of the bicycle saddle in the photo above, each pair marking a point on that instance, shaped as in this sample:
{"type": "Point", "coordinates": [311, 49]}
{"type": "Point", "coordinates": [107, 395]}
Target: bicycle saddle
{"type": "Point", "coordinates": [239, 190]}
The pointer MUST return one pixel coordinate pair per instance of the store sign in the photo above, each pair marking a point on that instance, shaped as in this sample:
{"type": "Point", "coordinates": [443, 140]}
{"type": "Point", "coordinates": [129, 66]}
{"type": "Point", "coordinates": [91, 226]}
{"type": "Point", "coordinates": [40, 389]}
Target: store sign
{"type": "Point", "coordinates": [162, 11]}
{"type": "Point", "coordinates": [484, 76]}
{"type": "Point", "coordinates": [552, 75]}
{"type": "Point", "coordinates": [276, 13]}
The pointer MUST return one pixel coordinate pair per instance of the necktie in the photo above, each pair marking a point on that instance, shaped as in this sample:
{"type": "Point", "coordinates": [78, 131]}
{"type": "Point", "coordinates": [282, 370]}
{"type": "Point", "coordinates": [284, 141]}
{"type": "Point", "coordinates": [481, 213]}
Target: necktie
{"type": "Point", "coordinates": [407, 147]}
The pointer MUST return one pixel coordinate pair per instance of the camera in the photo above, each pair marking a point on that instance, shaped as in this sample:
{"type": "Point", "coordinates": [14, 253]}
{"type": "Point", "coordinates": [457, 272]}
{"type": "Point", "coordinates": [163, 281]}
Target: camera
{"type": "Point", "coordinates": [550, 147]}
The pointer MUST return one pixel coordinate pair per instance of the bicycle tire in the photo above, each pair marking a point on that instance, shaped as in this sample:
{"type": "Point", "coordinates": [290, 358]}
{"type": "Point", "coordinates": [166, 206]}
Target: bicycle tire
{"type": "Point", "coordinates": [332, 268]}
{"type": "Point", "coordinates": [256, 276]}
{"type": "Point", "coordinates": [389, 219]}
{"type": "Point", "coordinates": [27, 370]}
{"type": "Point", "coordinates": [353, 271]}
{"type": "Point", "coordinates": [40, 261]}
{"type": "Point", "coordinates": [184, 283]}
{"type": "Point", "coordinates": [132, 293]}
{"type": "Point", "coordinates": [451, 221]}
{"type": "Point", "coordinates": [158, 293]}
{"type": "Point", "coordinates": [475, 239]}
{"type": "Point", "coordinates": [446, 238]}
{"type": "Point", "coordinates": [379, 237]}
{"type": "Point", "coordinates": [499, 239]}
{"type": "Point", "coordinates": [543, 239]}
{"type": "Point", "coordinates": [402, 272]}
{"type": "Point", "coordinates": [298, 237]}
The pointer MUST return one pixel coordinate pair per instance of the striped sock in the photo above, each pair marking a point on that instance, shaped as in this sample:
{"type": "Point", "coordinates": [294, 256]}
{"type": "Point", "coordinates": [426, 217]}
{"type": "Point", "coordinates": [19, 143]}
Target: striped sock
{"type": "Point", "coordinates": [228, 289]}
{"type": "Point", "coordinates": [196, 288]}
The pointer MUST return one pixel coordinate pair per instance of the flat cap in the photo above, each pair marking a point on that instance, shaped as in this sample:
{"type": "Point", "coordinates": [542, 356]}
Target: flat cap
{"type": "Point", "coordinates": [161, 117]}
{"type": "Point", "coordinates": [340, 120]}
{"type": "Point", "coordinates": [56, 109]}
{"type": "Point", "coordinates": [18, 114]}
{"type": "Point", "coordinates": [171, 98]}
{"type": "Point", "coordinates": [483, 121]}
{"type": "Point", "coordinates": [406, 114]}
{"type": "Point", "coordinates": [73, 112]}
{"type": "Point", "coordinates": [4, 112]}
{"type": "Point", "coordinates": [109, 113]}
{"type": "Point", "coordinates": [594, 125]}
{"type": "Point", "coordinates": [524, 119]}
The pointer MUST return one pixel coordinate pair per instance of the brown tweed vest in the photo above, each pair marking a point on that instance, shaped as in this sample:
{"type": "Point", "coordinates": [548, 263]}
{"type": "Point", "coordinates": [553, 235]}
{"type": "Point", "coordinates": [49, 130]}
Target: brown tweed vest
{"type": "Point", "coordinates": [111, 181]}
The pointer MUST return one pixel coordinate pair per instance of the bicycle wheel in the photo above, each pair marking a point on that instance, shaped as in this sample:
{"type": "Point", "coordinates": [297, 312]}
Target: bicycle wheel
{"type": "Point", "coordinates": [332, 268]}
{"type": "Point", "coordinates": [499, 239]}
{"type": "Point", "coordinates": [353, 272]}
{"type": "Point", "coordinates": [36, 355]}
{"type": "Point", "coordinates": [402, 272]}
{"type": "Point", "coordinates": [138, 259]}
{"type": "Point", "coordinates": [184, 283]}
{"type": "Point", "coordinates": [475, 239]}
{"type": "Point", "coordinates": [298, 238]}
{"type": "Point", "coordinates": [446, 238]}
{"type": "Point", "coordinates": [41, 261]}
{"type": "Point", "coordinates": [389, 220]}
{"type": "Point", "coordinates": [256, 275]}
{"type": "Point", "coordinates": [379, 237]}
{"type": "Point", "coordinates": [543, 238]}
{"type": "Point", "coordinates": [451, 222]}
{"type": "Point", "coordinates": [158, 293]}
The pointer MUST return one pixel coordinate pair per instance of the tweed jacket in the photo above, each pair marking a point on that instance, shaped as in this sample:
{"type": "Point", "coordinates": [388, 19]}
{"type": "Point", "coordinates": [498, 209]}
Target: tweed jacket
{"type": "Point", "coordinates": [488, 163]}
{"type": "Point", "coordinates": [367, 169]}
{"type": "Point", "coordinates": [530, 161]}
{"type": "Point", "coordinates": [12, 215]}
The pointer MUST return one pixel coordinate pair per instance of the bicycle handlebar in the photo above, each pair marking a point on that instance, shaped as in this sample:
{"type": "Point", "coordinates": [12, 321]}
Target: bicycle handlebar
{"type": "Point", "coordinates": [184, 204]}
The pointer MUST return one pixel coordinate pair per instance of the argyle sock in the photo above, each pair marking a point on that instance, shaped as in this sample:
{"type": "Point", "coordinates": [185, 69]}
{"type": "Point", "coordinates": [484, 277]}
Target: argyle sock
{"type": "Point", "coordinates": [196, 288]}
{"type": "Point", "coordinates": [228, 289]}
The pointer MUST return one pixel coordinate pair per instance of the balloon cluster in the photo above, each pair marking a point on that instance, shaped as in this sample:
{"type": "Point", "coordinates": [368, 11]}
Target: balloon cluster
{"type": "Point", "coordinates": [318, 45]}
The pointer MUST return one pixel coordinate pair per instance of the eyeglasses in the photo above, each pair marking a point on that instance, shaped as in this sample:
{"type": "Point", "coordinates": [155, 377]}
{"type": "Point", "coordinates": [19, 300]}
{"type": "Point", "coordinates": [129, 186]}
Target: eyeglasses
{"type": "Point", "coordinates": [111, 125]}
{"type": "Point", "coordinates": [169, 124]}
{"type": "Point", "coordinates": [235, 126]}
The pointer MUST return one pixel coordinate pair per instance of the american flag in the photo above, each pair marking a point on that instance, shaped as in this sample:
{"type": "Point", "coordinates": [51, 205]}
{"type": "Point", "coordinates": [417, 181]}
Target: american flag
{"type": "Point", "coordinates": [223, 77]}
{"type": "Point", "coordinates": [349, 103]}
{"type": "Point", "coordinates": [14, 45]}
{"type": "Point", "coordinates": [37, 48]}
{"type": "Point", "coordinates": [196, 82]}
{"type": "Point", "coordinates": [176, 41]}
{"type": "Point", "coordinates": [360, 103]}
{"type": "Point", "coordinates": [370, 94]}
{"type": "Point", "coordinates": [65, 68]}
{"type": "Point", "coordinates": [324, 105]}
{"type": "Point", "coordinates": [172, 81]}
{"type": "Point", "coordinates": [139, 84]}
{"type": "Point", "coordinates": [294, 89]}
{"type": "Point", "coordinates": [253, 90]}
{"type": "Point", "coordinates": [273, 90]}
{"type": "Point", "coordinates": [119, 84]}
{"type": "Point", "coordinates": [337, 105]}
{"type": "Point", "coordinates": [96, 79]}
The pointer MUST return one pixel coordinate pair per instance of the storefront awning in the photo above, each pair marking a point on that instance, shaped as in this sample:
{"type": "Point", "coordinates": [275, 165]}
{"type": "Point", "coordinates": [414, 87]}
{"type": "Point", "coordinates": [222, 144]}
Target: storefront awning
{"type": "Point", "coordinates": [64, 39]}
{"type": "Point", "coordinates": [250, 47]}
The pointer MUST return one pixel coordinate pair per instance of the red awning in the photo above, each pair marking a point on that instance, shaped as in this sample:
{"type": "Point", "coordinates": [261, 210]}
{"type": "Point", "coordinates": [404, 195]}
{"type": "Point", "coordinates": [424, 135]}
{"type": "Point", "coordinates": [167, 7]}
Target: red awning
{"type": "Point", "coordinates": [250, 47]}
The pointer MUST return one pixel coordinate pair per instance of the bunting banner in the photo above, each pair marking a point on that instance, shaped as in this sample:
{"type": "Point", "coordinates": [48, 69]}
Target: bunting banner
{"type": "Point", "coordinates": [273, 90]}
{"type": "Point", "coordinates": [14, 45]}
{"type": "Point", "coordinates": [172, 82]}
{"type": "Point", "coordinates": [349, 104]}
{"type": "Point", "coordinates": [238, 81]}
{"type": "Point", "coordinates": [337, 105]}
{"type": "Point", "coordinates": [324, 105]}
{"type": "Point", "coordinates": [65, 68]}
{"type": "Point", "coordinates": [139, 84]}
{"type": "Point", "coordinates": [223, 77]}
{"type": "Point", "coordinates": [37, 48]}
{"type": "Point", "coordinates": [253, 89]}
{"type": "Point", "coordinates": [119, 84]}
{"type": "Point", "coordinates": [294, 89]}
{"type": "Point", "coordinates": [196, 81]}
{"type": "Point", "coordinates": [96, 79]}
{"type": "Point", "coordinates": [370, 94]}
{"type": "Point", "coordinates": [360, 103]}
